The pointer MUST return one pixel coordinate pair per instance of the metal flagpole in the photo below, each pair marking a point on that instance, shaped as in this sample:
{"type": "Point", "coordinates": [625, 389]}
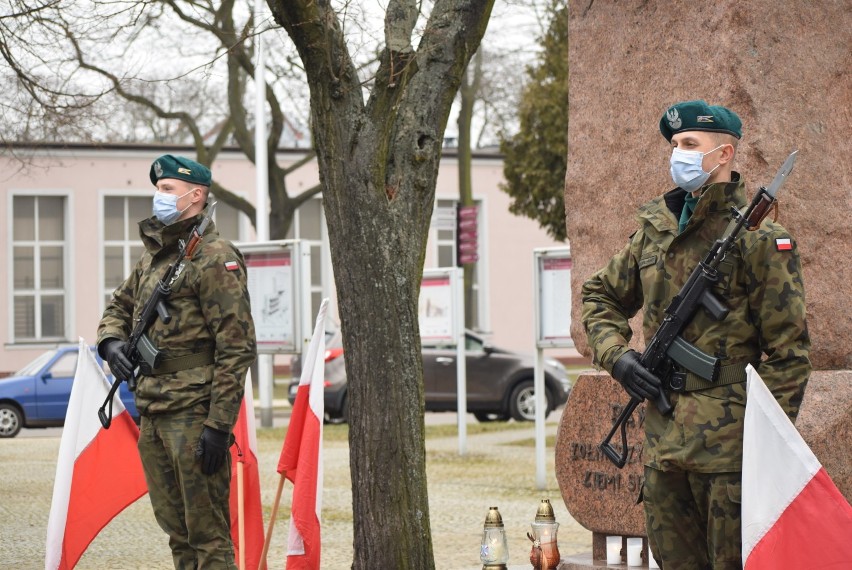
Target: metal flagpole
{"type": "Point", "coordinates": [264, 361]}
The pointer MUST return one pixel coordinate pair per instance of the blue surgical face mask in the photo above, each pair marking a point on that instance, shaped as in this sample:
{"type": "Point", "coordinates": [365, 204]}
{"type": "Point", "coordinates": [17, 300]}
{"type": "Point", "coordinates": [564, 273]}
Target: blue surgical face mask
{"type": "Point", "coordinates": [687, 168]}
{"type": "Point", "coordinates": [165, 207]}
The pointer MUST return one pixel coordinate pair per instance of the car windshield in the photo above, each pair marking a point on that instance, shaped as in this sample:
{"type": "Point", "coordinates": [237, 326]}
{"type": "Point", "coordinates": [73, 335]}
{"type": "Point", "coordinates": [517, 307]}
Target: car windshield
{"type": "Point", "coordinates": [36, 365]}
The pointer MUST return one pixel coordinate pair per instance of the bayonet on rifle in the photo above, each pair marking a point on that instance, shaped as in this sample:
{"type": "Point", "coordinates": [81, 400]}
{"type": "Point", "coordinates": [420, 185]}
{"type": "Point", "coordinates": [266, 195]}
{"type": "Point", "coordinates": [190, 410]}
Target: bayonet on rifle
{"type": "Point", "coordinates": [782, 174]}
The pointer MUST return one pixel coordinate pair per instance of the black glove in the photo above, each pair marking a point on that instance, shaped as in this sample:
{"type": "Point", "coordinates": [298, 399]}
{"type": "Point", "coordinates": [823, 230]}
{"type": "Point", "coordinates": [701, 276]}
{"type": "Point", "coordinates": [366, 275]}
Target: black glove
{"type": "Point", "coordinates": [212, 447]}
{"type": "Point", "coordinates": [637, 381]}
{"type": "Point", "coordinates": [112, 350]}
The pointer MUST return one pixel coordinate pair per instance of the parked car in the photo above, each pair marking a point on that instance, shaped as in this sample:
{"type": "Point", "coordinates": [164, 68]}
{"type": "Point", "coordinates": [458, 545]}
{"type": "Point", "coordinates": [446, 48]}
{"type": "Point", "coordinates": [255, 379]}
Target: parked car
{"type": "Point", "coordinates": [37, 395]}
{"type": "Point", "coordinates": [499, 382]}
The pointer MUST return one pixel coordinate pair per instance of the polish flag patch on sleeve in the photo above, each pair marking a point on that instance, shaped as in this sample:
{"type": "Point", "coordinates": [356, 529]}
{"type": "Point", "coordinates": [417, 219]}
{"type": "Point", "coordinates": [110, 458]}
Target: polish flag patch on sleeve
{"type": "Point", "coordinates": [234, 266]}
{"type": "Point", "coordinates": [783, 244]}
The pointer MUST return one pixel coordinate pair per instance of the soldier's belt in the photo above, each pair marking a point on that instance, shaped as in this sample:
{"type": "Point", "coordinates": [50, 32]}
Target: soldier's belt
{"type": "Point", "coordinates": [690, 382]}
{"type": "Point", "coordinates": [178, 363]}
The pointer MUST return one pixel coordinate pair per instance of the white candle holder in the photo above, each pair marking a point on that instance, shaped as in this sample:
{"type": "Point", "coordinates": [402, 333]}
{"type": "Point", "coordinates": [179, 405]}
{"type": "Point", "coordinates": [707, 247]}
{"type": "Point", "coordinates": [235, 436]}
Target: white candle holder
{"type": "Point", "coordinates": [613, 550]}
{"type": "Point", "coordinates": [634, 552]}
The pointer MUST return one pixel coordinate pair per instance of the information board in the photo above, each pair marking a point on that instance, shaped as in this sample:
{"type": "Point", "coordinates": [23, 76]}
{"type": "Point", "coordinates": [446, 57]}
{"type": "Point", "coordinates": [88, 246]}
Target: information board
{"type": "Point", "coordinates": [553, 297]}
{"type": "Point", "coordinates": [436, 311]}
{"type": "Point", "coordinates": [274, 287]}
{"type": "Point", "coordinates": [441, 314]}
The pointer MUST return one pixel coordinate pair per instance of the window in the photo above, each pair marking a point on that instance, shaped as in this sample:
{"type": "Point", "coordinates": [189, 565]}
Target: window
{"type": "Point", "coordinates": [65, 365]}
{"type": "Point", "coordinates": [39, 268]}
{"type": "Point", "coordinates": [122, 246]}
{"type": "Point", "coordinates": [445, 253]}
{"type": "Point", "coordinates": [473, 344]}
{"type": "Point", "coordinates": [228, 220]}
{"type": "Point", "coordinates": [445, 235]}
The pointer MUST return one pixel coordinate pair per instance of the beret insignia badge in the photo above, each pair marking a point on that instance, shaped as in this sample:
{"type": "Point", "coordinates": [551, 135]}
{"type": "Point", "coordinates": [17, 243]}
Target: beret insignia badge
{"type": "Point", "coordinates": [673, 117]}
{"type": "Point", "coordinates": [158, 169]}
{"type": "Point", "coordinates": [704, 118]}
{"type": "Point", "coordinates": [184, 171]}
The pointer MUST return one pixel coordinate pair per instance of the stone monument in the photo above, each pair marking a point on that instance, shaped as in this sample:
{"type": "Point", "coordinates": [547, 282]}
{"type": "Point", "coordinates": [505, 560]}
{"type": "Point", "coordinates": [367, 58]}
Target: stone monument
{"type": "Point", "coordinates": [784, 68]}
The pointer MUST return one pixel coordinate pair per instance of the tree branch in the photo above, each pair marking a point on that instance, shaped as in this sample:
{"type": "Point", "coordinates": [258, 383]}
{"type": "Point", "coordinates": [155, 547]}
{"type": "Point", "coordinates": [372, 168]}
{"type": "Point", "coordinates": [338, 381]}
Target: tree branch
{"type": "Point", "coordinates": [300, 163]}
{"type": "Point", "coordinates": [397, 62]}
{"type": "Point", "coordinates": [234, 201]}
{"type": "Point", "coordinates": [238, 112]}
{"type": "Point", "coordinates": [183, 116]}
{"type": "Point", "coordinates": [452, 35]}
{"type": "Point", "coordinates": [315, 30]}
{"type": "Point", "coordinates": [222, 137]}
{"type": "Point", "coordinates": [300, 199]}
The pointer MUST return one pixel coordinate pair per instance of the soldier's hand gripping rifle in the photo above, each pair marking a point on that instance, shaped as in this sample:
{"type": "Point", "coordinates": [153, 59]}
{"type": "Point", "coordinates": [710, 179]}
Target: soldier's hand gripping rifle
{"type": "Point", "coordinates": [139, 346]}
{"type": "Point", "coordinates": [667, 347]}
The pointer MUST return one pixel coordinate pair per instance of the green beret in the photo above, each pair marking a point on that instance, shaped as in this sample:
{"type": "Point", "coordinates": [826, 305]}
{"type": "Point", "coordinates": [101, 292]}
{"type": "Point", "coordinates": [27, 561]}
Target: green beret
{"type": "Point", "coordinates": [699, 116]}
{"type": "Point", "coordinates": [180, 167]}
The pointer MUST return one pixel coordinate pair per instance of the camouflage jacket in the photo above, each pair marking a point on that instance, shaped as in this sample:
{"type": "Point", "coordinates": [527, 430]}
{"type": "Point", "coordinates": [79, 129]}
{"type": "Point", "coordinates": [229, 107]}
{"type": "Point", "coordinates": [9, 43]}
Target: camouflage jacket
{"type": "Point", "coordinates": [210, 310]}
{"type": "Point", "coordinates": [761, 283]}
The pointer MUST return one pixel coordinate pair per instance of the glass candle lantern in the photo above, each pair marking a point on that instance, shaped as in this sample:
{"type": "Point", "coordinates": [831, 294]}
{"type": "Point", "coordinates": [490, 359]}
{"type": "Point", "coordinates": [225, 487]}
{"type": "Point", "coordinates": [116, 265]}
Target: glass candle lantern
{"type": "Point", "coordinates": [494, 550]}
{"type": "Point", "coordinates": [545, 552]}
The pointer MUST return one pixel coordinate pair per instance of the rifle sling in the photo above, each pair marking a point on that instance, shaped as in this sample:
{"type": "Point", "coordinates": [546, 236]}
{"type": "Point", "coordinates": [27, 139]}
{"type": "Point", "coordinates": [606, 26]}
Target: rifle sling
{"type": "Point", "coordinates": [178, 363]}
{"type": "Point", "coordinates": [728, 374]}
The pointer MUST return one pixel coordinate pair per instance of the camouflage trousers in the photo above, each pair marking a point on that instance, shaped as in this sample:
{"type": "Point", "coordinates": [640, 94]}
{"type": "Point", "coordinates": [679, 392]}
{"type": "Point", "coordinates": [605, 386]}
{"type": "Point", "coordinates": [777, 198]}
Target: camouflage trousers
{"type": "Point", "coordinates": [192, 508]}
{"type": "Point", "coordinates": [693, 519]}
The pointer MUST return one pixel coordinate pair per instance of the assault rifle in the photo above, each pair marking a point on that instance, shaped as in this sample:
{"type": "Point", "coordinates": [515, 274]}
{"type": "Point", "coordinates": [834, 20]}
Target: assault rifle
{"type": "Point", "coordinates": [139, 346]}
{"type": "Point", "coordinates": [667, 347]}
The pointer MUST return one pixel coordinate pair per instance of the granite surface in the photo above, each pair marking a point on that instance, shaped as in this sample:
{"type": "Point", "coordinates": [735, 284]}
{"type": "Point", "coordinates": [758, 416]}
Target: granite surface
{"type": "Point", "coordinates": [784, 67]}
{"type": "Point", "coordinates": [602, 498]}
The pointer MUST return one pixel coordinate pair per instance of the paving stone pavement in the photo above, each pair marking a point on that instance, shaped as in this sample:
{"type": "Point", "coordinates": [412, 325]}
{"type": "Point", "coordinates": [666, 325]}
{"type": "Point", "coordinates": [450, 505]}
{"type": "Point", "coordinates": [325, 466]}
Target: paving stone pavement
{"type": "Point", "coordinates": [498, 470]}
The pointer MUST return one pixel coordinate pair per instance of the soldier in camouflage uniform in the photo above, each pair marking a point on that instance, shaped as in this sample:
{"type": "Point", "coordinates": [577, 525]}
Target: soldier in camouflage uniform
{"type": "Point", "coordinates": [693, 458]}
{"type": "Point", "coordinates": [190, 402]}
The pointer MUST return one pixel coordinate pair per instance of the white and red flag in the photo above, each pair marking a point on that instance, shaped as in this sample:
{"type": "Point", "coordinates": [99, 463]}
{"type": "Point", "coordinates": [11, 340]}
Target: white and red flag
{"type": "Point", "coordinates": [793, 516]}
{"type": "Point", "coordinates": [98, 471]}
{"type": "Point", "coordinates": [245, 504]}
{"type": "Point", "coordinates": [301, 457]}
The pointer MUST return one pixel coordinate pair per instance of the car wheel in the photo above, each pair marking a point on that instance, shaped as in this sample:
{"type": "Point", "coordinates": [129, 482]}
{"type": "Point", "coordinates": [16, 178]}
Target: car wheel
{"type": "Point", "coordinates": [11, 420]}
{"type": "Point", "coordinates": [485, 417]}
{"type": "Point", "coordinates": [522, 402]}
{"type": "Point", "coordinates": [342, 417]}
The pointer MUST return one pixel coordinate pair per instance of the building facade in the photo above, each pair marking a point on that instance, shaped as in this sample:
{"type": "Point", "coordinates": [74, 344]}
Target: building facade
{"type": "Point", "coordinates": [70, 237]}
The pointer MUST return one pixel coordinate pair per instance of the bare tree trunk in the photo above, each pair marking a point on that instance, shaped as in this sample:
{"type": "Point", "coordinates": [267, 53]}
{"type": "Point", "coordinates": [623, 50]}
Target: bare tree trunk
{"type": "Point", "coordinates": [378, 166]}
{"type": "Point", "coordinates": [468, 92]}
{"type": "Point", "coordinates": [378, 273]}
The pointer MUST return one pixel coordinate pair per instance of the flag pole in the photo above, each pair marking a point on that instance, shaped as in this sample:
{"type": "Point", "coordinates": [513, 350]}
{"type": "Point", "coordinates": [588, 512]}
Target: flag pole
{"type": "Point", "coordinates": [241, 510]}
{"type": "Point", "coordinates": [268, 539]}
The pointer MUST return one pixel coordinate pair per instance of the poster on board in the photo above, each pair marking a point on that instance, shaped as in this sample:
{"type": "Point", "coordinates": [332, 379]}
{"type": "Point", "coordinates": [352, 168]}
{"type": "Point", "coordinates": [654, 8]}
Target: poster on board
{"type": "Point", "coordinates": [553, 292]}
{"type": "Point", "coordinates": [271, 284]}
{"type": "Point", "coordinates": [436, 310]}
